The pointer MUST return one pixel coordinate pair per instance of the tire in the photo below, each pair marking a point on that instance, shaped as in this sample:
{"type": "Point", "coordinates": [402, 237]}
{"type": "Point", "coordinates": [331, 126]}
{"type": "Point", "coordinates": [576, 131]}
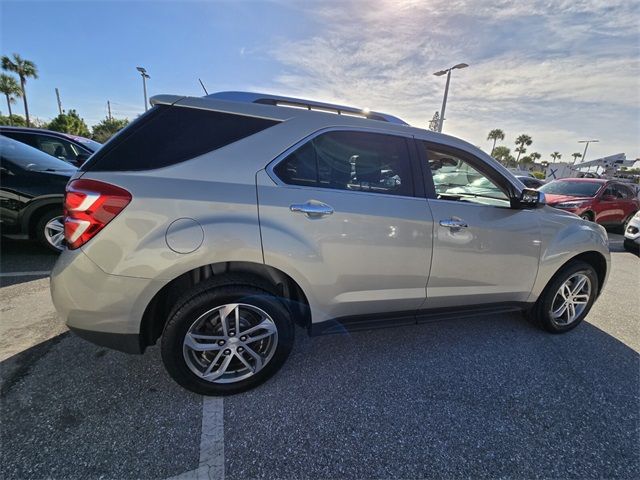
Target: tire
{"type": "Point", "coordinates": [47, 230]}
{"type": "Point", "coordinates": [200, 313]}
{"type": "Point", "coordinates": [588, 216]}
{"type": "Point", "coordinates": [551, 297]}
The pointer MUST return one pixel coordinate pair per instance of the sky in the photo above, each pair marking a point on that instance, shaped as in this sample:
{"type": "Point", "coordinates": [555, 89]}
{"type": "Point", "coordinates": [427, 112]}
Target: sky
{"type": "Point", "coordinates": [559, 71]}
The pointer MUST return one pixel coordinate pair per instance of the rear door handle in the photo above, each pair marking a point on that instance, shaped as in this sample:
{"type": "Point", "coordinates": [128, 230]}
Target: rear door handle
{"type": "Point", "coordinates": [312, 209]}
{"type": "Point", "coordinates": [453, 223]}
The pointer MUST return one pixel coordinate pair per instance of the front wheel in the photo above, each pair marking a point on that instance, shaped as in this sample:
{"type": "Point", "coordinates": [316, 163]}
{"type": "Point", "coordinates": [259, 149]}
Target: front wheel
{"type": "Point", "coordinates": [50, 230]}
{"type": "Point", "coordinates": [227, 339]}
{"type": "Point", "coordinates": [568, 298]}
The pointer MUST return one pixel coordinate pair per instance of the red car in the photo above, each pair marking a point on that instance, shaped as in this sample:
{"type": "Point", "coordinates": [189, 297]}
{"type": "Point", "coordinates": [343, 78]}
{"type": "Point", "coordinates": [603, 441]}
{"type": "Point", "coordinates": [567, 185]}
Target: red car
{"type": "Point", "coordinates": [606, 202]}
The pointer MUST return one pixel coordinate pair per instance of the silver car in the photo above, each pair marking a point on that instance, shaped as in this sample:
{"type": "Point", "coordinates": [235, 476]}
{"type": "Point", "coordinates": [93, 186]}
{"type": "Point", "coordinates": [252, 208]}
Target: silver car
{"type": "Point", "coordinates": [215, 225]}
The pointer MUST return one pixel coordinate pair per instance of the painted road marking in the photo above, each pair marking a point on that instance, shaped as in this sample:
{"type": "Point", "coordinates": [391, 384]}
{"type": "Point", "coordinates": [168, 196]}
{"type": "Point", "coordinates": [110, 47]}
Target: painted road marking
{"type": "Point", "coordinates": [211, 465]}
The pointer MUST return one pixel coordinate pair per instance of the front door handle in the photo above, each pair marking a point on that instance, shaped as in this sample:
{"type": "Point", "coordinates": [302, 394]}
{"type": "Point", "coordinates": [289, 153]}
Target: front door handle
{"type": "Point", "coordinates": [312, 209]}
{"type": "Point", "coordinates": [453, 223]}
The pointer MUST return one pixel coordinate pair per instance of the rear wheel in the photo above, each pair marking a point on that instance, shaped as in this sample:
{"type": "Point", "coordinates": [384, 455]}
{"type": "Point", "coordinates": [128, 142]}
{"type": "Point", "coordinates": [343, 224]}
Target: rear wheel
{"type": "Point", "coordinates": [226, 339]}
{"type": "Point", "coordinates": [568, 298]}
{"type": "Point", "coordinates": [50, 230]}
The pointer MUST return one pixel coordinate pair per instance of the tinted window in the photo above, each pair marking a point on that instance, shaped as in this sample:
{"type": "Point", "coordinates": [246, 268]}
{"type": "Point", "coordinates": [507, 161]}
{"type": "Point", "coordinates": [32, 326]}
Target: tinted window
{"type": "Point", "coordinates": [21, 137]}
{"type": "Point", "coordinates": [62, 149]}
{"type": "Point", "coordinates": [29, 158]}
{"type": "Point", "coordinates": [573, 189]}
{"type": "Point", "coordinates": [169, 135]}
{"type": "Point", "coordinates": [620, 191]}
{"type": "Point", "coordinates": [356, 161]}
{"type": "Point", "coordinates": [455, 179]}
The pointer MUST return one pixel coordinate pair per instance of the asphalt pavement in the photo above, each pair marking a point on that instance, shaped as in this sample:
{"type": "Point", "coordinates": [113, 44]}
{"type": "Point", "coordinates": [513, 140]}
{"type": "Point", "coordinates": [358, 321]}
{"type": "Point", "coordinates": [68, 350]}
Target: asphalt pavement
{"type": "Point", "coordinates": [491, 396]}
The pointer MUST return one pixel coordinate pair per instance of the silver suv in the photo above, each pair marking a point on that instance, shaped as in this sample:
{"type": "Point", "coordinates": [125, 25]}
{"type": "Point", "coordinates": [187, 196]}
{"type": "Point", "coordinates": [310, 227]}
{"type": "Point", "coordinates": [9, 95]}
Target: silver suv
{"type": "Point", "coordinates": [217, 224]}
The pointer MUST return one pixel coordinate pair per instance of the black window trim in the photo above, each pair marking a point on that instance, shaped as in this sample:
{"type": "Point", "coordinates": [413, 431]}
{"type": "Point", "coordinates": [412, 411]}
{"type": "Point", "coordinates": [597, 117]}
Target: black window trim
{"type": "Point", "coordinates": [417, 188]}
{"type": "Point", "coordinates": [480, 165]}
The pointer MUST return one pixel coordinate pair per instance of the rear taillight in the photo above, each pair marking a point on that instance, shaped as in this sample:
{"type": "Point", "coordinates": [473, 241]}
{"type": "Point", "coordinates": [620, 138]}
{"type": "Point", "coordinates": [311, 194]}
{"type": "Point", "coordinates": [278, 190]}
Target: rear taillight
{"type": "Point", "coordinates": [89, 205]}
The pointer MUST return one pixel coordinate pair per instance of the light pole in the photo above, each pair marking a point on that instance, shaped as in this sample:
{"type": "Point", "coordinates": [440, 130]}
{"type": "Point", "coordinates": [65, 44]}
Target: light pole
{"type": "Point", "coordinates": [446, 90]}
{"type": "Point", "coordinates": [586, 142]}
{"type": "Point", "coordinates": [144, 75]}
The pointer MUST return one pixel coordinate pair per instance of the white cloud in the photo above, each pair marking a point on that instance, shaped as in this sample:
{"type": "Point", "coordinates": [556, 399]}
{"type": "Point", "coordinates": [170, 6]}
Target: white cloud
{"type": "Point", "coordinates": [557, 70]}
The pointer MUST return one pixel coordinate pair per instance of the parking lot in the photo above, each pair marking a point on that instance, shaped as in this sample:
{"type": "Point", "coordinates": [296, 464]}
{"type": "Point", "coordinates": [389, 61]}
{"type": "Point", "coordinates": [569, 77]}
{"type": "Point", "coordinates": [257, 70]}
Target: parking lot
{"type": "Point", "coordinates": [491, 396]}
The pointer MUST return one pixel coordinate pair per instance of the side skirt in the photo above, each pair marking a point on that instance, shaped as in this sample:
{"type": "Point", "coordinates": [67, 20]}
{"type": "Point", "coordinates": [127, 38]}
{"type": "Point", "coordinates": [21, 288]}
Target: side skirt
{"type": "Point", "coordinates": [394, 319]}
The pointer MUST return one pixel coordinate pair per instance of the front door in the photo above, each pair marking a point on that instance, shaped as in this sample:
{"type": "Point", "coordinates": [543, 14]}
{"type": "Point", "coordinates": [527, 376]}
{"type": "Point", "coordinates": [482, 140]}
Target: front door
{"type": "Point", "coordinates": [483, 250]}
{"type": "Point", "coordinates": [339, 215]}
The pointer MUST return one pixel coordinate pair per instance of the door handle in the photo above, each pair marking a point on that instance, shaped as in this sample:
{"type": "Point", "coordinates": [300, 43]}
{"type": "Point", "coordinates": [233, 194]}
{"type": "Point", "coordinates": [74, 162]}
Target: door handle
{"type": "Point", "coordinates": [312, 209]}
{"type": "Point", "coordinates": [453, 223]}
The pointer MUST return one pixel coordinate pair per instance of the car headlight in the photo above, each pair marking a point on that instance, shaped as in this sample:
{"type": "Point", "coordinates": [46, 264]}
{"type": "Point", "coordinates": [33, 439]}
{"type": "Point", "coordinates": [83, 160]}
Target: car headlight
{"type": "Point", "coordinates": [570, 204]}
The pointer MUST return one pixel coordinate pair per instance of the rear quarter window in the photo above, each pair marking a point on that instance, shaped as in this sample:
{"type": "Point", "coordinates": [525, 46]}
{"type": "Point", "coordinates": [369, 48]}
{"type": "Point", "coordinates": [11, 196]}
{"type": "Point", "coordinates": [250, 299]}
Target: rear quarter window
{"type": "Point", "coordinates": [168, 135]}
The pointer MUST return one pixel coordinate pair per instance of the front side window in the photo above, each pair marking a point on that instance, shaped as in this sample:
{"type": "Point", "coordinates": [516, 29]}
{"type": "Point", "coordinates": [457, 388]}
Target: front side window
{"type": "Point", "coordinates": [355, 161]}
{"type": "Point", "coordinates": [455, 179]}
{"type": "Point", "coordinates": [57, 148]}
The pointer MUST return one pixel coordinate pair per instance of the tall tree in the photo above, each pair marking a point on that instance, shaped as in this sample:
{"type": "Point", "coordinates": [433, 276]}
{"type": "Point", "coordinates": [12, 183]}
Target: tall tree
{"type": "Point", "coordinates": [576, 156]}
{"type": "Point", "coordinates": [10, 88]}
{"type": "Point", "coordinates": [24, 69]}
{"type": "Point", "coordinates": [69, 122]}
{"type": "Point", "coordinates": [535, 156]}
{"type": "Point", "coordinates": [556, 155]}
{"type": "Point", "coordinates": [503, 155]}
{"type": "Point", "coordinates": [495, 135]}
{"type": "Point", "coordinates": [107, 128]}
{"type": "Point", "coordinates": [522, 141]}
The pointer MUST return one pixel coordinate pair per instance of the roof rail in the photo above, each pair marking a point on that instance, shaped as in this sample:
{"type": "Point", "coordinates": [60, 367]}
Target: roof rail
{"type": "Point", "coordinates": [277, 100]}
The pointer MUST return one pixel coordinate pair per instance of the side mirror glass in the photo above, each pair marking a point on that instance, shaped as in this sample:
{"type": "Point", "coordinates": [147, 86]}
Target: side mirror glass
{"type": "Point", "coordinates": [529, 198]}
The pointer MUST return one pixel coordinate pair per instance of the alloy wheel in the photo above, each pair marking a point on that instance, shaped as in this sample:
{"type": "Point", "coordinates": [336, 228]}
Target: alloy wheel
{"type": "Point", "coordinates": [571, 299]}
{"type": "Point", "coordinates": [54, 232]}
{"type": "Point", "coordinates": [230, 343]}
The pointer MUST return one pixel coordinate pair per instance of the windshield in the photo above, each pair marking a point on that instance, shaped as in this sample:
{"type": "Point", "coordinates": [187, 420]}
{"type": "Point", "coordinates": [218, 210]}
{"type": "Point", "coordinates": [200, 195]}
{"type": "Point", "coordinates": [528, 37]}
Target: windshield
{"type": "Point", "coordinates": [29, 158]}
{"type": "Point", "coordinates": [573, 189]}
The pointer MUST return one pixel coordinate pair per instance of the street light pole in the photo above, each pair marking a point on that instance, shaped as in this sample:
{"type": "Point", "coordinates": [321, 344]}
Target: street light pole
{"type": "Point", "coordinates": [446, 90]}
{"type": "Point", "coordinates": [144, 75]}
{"type": "Point", "coordinates": [584, 155]}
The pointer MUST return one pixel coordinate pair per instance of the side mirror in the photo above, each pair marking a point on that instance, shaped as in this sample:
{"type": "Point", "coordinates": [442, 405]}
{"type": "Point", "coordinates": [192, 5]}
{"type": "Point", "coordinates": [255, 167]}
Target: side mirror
{"type": "Point", "coordinates": [530, 198]}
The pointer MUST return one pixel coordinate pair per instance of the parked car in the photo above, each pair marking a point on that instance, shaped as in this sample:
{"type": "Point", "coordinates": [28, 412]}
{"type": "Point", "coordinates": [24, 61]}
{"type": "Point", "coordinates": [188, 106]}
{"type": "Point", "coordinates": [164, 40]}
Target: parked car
{"type": "Point", "coordinates": [70, 148]}
{"type": "Point", "coordinates": [632, 234]}
{"type": "Point", "coordinates": [216, 224]}
{"type": "Point", "coordinates": [31, 193]}
{"type": "Point", "coordinates": [530, 182]}
{"type": "Point", "coordinates": [603, 201]}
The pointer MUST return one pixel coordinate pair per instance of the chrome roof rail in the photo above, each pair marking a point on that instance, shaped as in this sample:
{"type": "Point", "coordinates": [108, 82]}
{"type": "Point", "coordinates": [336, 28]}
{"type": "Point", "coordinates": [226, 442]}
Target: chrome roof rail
{"type": "Point", "coordinates": [277, 100]}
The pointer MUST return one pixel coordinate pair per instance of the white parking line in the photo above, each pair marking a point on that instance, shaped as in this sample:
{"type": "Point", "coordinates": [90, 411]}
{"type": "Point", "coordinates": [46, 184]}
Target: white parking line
{"type": "Point", "coordinates": [211, 466]}
{"type": "Point", "coordinates": [36, 273]}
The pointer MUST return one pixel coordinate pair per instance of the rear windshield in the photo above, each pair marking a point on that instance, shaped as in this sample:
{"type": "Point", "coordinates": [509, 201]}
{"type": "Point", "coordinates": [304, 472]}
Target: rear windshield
{"type": "Point", "coordinates": [168, 135]}
{"type": "Point", "coordinates": [29, 158]}
{"type": "Point", "coordinates": [572, 189]}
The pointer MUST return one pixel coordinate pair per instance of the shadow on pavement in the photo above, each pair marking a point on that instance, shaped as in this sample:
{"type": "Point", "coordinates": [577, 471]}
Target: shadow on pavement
{"type": "Point", "coordinates": [484, 397]}
{"type": "Point", "coordinates": [74, 410]}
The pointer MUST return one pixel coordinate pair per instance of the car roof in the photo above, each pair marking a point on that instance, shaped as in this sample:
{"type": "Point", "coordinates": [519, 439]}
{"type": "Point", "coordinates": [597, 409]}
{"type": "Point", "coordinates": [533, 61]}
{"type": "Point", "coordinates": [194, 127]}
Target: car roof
{"type": "Point", "coordinates": [586, 180]}
{"type": "Point", "coordinates": [43, 130]}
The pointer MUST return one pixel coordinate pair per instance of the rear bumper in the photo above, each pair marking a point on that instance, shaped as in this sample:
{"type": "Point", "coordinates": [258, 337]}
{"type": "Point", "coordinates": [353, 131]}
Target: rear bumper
{"type": "Point", "coordinates": [124, 342]}
{"type": "Point", "coordinates": [104, 309]}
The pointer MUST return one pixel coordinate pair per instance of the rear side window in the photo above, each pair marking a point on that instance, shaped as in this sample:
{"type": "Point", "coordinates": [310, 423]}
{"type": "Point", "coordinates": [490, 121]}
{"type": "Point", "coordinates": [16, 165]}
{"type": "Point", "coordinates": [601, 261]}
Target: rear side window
{"type": "Point", "coordinates": [168, 135]}
{"type": "Point", "coordinates": [356, 161]}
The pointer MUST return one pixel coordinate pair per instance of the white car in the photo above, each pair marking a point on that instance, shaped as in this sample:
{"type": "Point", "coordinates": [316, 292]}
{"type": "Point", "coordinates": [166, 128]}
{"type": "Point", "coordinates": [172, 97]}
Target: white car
{"type": "Point", "coordinates": [632, 234]}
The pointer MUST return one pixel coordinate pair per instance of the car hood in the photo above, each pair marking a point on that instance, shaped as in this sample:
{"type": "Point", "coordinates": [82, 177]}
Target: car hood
{"type": "Point", "coordinates": [553, 199]}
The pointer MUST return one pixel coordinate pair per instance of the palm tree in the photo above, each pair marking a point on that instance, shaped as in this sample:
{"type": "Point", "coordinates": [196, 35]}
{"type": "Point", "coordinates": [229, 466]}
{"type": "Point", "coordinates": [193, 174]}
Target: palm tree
{"type": "Point", "coordinates": [535, 156]}
{"type": "Point", "coordinates": [556, 155]}
{"type": "Point", "coordinates": [10, 88]}
{"type": "Point", "coordinates": [495, 135]}
{"type": "Point", "coordinates": [24, 69]}
{"type": "Point", "coordinates": [522, 141]}
{"type": "Point", "coordinates": [576, 156]}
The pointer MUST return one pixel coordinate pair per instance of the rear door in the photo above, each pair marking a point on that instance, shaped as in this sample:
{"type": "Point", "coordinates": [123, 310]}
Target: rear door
{"type": "Point", "coordinates": [340, 213]}
{"type": "Point", "coordinates": [484, 251]}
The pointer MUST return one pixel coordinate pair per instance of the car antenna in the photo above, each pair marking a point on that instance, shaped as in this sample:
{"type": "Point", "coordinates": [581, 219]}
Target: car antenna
{"type": "Point", "coordinates": [205, 90]}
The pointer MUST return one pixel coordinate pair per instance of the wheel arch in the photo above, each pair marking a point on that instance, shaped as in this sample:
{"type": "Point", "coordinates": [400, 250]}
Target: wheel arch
{"type": "Point", "coordinates": [267, 277]}
{"type": "Point", "coordinates": [593, 258]}
{"type": "Point", "coordinates": [34, 211]}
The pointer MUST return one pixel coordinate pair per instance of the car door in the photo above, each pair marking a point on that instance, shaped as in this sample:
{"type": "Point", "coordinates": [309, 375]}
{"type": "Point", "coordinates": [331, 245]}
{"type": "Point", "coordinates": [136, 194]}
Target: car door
{"type": "Point", "coordinates": [608, 208]}
{"type": "Point", "coordinates": [484, 251]}
{"type": "Point", "coordinates": [341, 215]}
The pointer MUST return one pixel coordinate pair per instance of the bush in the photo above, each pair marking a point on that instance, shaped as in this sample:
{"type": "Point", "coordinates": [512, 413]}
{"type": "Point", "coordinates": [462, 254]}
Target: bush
{"type": "Point", "coordinates": [69, 123]}
{"type": "Point", "coordinates": [539, 175]}
{"type": "Point", "coordinates": [16, 120]}
{"type": "Point", "coordinates": [107, 128]}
